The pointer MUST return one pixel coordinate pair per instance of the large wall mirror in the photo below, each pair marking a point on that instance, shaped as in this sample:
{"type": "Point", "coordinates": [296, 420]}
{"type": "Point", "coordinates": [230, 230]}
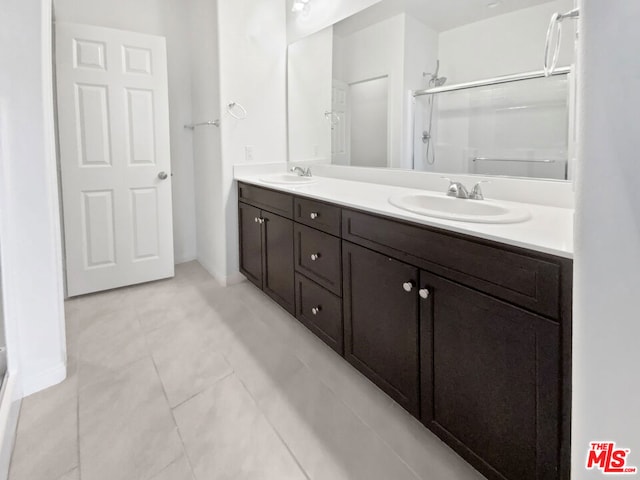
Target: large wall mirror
{"type": "Point", "coordinates": [359, 91]}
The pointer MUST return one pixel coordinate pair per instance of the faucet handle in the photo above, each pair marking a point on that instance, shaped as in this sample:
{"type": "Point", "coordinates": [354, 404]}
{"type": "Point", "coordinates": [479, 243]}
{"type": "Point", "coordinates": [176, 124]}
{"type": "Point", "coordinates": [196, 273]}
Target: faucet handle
{"type": "Point", "coordinates": [456, 189]}
{"type": "Point", "coordinates": [476, 193]}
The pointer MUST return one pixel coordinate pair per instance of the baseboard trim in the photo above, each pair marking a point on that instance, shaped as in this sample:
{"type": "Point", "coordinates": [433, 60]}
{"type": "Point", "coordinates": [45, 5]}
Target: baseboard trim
{"type": "Point", "coordinates": [9, 412]}
{"type": "Point", "coordinates": [186, 259]}
{"type": "Point", "coordinates": [235, 279]}
{"type": "Point", "coordinates": [46, 379]}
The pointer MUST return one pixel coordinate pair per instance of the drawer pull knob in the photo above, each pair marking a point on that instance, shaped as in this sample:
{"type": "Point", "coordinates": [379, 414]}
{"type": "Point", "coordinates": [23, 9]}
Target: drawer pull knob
{"type": "Point", "coordinates": [424, 293]}
{"type": "Point", "coordinates": [408, 286]}
{"type": "Point", "coordinates": [314, 215]}
{"type": "Point", "coordinates": [316, 310]}
{"type": "Point", "coordinates": [315, 256]}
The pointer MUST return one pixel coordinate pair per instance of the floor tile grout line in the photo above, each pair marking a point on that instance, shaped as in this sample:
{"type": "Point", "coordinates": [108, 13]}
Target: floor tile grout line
{"type": "Point", "coordinates": [173, 417]}
{"type": "Point", "coordinates": [191, 397]}
{"type": "Point", "coordinates": [15, 441]}
{"type": "Point", "coordinates": [275, 430]}
{"type": "Point", "coordinates": [257, 404]}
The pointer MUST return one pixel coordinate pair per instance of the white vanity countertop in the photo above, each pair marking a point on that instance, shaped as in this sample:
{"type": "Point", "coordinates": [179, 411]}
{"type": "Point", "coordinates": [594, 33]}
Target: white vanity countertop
{"type": "Point", "coordinates": [549, 230]}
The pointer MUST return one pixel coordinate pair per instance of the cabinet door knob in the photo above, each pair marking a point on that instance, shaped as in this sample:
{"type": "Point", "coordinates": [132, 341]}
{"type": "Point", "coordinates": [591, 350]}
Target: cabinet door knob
{"type": "Point", "coordinates": [316, 310]}
{"type": "Point", "coordinates": [408, 286]}
{"type": "Point", "coordinates": [257, 220]}
{"type": "Point", "coordinates": [424, 293]}
{"type": "Point", "coordinates": [315, 256]}
{"type": "Point", "coordinates": [314, 215]}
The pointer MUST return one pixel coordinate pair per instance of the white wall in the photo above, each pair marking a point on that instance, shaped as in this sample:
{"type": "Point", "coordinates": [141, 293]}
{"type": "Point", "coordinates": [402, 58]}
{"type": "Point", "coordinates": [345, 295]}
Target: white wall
{"type": "Point", "coordinates": [505, 44]}
{"type": "Point", "coordinates": [29, 207]}
{"type": "Point", "coordinates": [168, 18]}
{"type": "Point", "coordinates": [252, 65]}
{"type": "Point", "coordinates": [323, 14]}
{"type": "Point", "coordinates": [205, 89]}
{"type": "Point", "coordinates": [606, 328]}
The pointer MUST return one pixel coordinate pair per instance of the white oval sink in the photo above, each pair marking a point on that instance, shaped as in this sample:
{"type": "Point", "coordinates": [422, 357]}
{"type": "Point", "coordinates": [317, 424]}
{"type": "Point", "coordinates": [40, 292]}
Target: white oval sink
{"type": "Point", "coordinates": [477, 211]}
{"type": "Point", "coordinates": [287, 179]}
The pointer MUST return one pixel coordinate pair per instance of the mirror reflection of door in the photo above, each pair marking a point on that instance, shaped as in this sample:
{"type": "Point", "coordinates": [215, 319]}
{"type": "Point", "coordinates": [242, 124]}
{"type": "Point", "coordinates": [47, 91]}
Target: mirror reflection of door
{"type": "Point", "coordinates": [368, 107]}
{"type": "Point", "coordinates": [340, 123]}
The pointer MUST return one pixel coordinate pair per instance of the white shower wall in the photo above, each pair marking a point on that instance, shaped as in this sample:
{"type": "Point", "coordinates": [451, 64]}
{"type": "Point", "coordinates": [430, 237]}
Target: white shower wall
{"type": "Point", "coordinates": [509, 43]}
{"type": "Point", "coordinates": [528, 120]}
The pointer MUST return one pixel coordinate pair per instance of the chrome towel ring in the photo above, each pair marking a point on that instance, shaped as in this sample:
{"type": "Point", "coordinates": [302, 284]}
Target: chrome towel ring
{"type": "Point", "coordinates": [235, 106]}
{"type": "Point", "coordinates": [555, 26]}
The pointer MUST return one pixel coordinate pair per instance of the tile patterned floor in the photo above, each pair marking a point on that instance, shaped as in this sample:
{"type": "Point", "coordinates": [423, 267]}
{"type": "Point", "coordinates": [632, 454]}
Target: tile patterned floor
{"type": "Point", "coordinates": [184, 380]}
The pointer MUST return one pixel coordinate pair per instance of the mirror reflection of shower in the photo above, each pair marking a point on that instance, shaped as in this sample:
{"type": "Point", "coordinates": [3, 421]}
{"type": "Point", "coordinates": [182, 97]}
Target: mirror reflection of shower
{"type": "Point", "coordinates": [427, 137]}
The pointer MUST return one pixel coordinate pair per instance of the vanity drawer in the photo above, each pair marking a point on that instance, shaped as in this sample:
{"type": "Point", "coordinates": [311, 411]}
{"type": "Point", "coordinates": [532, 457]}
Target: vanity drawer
{"type": "Point", "coordinates": [275, 202]}
{"type": "Point", "coordinates": [318, 257]}
{"type": "Point", "coordinates": [318, 215]}
{"type": "Point", "coordinates": [505, 272]}
{"type": "Point", "coordinates": [320, 311]}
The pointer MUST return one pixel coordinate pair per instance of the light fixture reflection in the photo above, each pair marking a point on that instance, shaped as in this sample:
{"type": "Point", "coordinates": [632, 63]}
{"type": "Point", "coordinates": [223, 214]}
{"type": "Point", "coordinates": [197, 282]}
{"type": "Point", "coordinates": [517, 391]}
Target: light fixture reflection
{"type": "Point", "coordinates": [301, 6]}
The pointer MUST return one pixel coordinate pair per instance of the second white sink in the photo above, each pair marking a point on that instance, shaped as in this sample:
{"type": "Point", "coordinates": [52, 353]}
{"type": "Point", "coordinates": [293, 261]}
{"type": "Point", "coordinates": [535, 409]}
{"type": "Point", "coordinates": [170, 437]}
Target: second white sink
{"type": "Point", "coordinates": [477, 211]}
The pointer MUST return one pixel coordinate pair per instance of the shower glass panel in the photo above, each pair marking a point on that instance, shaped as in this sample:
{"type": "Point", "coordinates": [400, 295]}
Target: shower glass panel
{"type": "Point", "coordinates": [518, 129]}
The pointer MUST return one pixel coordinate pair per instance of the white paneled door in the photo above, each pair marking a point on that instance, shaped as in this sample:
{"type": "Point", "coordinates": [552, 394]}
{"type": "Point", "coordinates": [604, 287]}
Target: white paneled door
{"type": "Point", "coordinates": [113, 127]}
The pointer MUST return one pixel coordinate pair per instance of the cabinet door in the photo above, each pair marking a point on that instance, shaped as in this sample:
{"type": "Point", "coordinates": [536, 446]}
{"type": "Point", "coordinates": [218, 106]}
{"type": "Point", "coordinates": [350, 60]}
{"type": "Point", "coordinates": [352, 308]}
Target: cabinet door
{"type": "Point", "coordinates": [381, 322]}
{"type": "Point", "coordinates": [250, 243]}
{"type": "Point", "coordinates": [278, 277]}
{"type": "Point", "coordinates": [490, 381]}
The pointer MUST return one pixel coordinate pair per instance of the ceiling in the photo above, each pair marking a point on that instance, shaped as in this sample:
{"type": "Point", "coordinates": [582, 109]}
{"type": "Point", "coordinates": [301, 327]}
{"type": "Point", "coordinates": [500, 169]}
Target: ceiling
{"type": "Point", "coordinates": [440, 15]}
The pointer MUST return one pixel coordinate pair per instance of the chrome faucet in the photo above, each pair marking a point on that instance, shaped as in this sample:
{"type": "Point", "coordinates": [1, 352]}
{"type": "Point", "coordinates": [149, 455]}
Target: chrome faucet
{"type": "Point", "coordinates": [301, 171]}
{"type": "Point", "coordinates": [458, 190]}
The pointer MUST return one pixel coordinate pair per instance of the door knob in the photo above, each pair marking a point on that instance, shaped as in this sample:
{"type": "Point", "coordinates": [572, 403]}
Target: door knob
{"type": "Point", "coordinates": [257, 220]}
{"type": "Point", "coordinates": [316, 310]}
{"type": "Point", "coordinates": [424, 293]}
{"type": "Point", "coordinates": [163, 175]}
{"type": "Point", "coordinates": [408, 286]}
{"type": "Point", "coordinates": [314, 215]}
{"type": "Point", "coordinates": [315, 256]}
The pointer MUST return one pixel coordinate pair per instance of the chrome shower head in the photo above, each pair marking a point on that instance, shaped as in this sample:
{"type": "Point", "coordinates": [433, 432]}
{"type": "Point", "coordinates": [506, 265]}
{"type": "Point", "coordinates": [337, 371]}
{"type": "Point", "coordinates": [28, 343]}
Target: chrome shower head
{"type": "Point", "coordinates": [434, 79]}
{"type": "Point", "coordinates": [440, 81]}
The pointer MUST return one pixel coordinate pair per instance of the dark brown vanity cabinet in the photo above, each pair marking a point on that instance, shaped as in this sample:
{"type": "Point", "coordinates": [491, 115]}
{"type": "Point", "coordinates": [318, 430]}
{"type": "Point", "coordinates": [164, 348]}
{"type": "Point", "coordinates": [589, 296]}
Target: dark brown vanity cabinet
{"type": "Point", "coordinates": [266, 251]}
{"type": "Point", "coordinates": [250, 243]}
{"type": "Point", "coordinates": [470, 336]}
{"type": "Point", "coordinates": [381, 322]}
{"type": "Point", "coordinates": [490, 380]}
{"type": "Point", "coordinates": [318, 265]}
